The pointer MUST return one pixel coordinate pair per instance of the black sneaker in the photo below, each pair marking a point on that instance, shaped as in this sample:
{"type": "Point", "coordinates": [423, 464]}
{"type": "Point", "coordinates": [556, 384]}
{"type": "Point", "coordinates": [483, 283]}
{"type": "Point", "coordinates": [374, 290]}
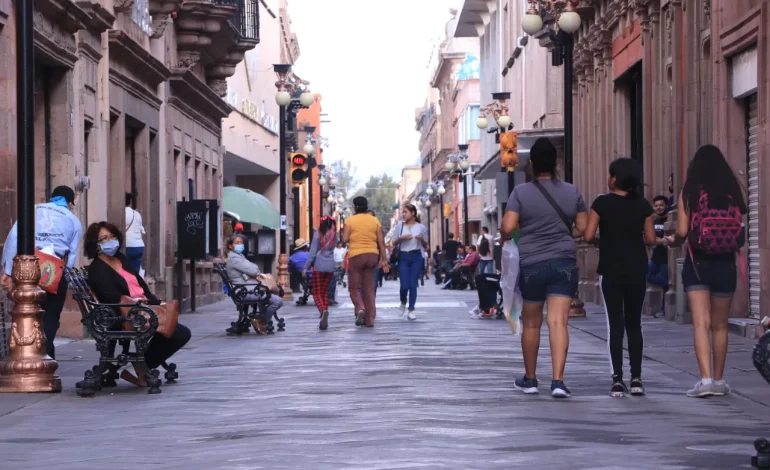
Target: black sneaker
{"type": "Point", "coordinates": [559, 390]}
{"type": "Point", "coordinates": [637, 387]}
{"type": "Point", "coordinates": [619, 389]}
{"type": "Point", "coordinates": [526, 385]}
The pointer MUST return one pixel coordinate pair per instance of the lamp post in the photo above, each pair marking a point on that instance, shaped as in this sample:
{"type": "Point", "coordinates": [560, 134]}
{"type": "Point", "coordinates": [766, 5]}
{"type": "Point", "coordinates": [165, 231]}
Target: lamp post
{"type": "Point", "coordinates": [27, 367]}
{"type": "Point", "coordinates": [283, 99]}
{"type": "Point", "coordinates": [460, 164]}
{"type": "Point", "coordinates": [568, 21]}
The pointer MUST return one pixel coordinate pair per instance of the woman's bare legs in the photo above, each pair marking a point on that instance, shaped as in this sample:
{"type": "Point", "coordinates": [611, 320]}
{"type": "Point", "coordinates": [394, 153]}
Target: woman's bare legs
{"type": "Point", "coordinates": [558, 313]}
{"type": "Point", "coordinates": [700, 305]}
{"type": "Point", "coordinates": [532, 321]}
{"type": "Point", "coordinates": [720, 312]}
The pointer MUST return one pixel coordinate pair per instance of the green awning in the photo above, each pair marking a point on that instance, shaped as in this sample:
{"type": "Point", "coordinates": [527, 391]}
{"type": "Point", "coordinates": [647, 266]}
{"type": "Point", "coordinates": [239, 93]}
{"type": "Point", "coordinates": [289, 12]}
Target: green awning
{"type": "Point", "coordinates": [251, 207]}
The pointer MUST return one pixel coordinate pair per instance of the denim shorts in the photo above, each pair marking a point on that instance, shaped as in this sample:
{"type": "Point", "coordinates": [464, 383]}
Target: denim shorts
{"type": "Point", "coordinates": [550, 278]}
{"type": "Point", "coordinates": [718, 276]}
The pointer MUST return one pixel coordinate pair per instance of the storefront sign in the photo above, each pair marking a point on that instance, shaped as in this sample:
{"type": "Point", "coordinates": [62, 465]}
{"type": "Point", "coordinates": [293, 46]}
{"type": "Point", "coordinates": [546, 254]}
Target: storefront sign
{"type": "Point", "coordinates": [258, 114]}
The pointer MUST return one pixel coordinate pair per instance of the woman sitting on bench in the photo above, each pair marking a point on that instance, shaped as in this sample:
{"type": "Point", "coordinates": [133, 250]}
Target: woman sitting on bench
{"type": "Point", "coordinates": [242, 271]}
{"type": "Point", "coordinates": [111, 276]}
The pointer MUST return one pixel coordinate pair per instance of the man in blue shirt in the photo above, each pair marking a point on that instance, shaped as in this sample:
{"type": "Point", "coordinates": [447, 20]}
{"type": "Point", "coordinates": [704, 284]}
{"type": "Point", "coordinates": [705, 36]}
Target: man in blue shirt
{"type": "Point", "coordinates": [58, 232]}
{"type": "Point", "coordinates": [297, 263]}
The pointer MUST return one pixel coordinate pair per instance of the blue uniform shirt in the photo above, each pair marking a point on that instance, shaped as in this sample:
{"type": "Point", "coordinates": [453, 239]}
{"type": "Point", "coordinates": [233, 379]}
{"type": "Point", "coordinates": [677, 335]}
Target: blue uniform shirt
{"type": "Point", "coordinates": [297, 260]}
{"type": "Point", "coordinates": [55, 227]}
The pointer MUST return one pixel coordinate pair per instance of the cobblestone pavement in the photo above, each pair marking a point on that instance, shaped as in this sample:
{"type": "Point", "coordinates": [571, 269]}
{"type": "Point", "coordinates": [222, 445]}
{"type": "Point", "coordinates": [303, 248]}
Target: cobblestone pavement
{"type": "Point", "coordinates": [431, 394]}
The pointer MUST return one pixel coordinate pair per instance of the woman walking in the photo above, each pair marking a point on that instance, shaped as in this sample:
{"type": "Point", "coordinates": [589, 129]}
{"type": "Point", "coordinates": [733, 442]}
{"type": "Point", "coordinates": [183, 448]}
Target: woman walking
{"type": "Point", "coordinates": [545, 211]}
{"type": "Point", "coordinates": [411, 240]}
{"type": "Point", "coordinates": [366, 251]}
{"type": "Point", "coordinates": [711, 203]}
{"type": "Point", "coordinates": [487, 263]}
{"type": "Point", "coordinates": [625, 220]}
{"type": "Point", "coordinates": [321, 259]}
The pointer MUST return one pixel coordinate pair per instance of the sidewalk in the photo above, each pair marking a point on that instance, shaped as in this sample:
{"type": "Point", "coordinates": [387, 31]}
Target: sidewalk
{"type": "Point", "coordinates": [435, 393]}
{"type": "Point", "coordinates": [670, 343]}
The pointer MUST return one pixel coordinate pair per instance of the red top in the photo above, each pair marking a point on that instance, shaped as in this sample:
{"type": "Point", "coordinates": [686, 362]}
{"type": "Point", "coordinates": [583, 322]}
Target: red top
{"type": "Point", "coordinates": [134, 289]}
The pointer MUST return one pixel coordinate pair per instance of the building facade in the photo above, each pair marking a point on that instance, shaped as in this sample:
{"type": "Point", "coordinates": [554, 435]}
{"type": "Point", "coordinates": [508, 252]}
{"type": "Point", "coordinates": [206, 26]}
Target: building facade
{"type": "Point", "coordinates": [655, 80]}
{"type": "Point", "coordinates": [128, 99]}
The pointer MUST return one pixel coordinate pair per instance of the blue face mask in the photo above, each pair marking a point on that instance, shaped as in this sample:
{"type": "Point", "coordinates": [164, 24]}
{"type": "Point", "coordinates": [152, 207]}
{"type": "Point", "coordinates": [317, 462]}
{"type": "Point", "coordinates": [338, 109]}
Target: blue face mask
{"type": "Point", "coordinates": [239, 248]}
{"type": "Point", "coordinates": [110, 247]}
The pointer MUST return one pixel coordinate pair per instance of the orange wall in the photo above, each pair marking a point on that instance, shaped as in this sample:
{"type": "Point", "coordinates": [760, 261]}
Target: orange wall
{"type": "Point", "coordinates": [312, 117]}
{"type": "Point", "coordinates": [627, 49]}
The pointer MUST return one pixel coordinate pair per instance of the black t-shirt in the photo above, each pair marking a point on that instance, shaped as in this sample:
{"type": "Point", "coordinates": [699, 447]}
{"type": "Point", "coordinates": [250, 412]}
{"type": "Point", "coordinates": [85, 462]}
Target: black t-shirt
{"type": "Point", "coordinates": [622, 253]}
{"type": "Point", "coordinates": [450, 248]}
{"type": "Point", "coordinates": [660, 252]}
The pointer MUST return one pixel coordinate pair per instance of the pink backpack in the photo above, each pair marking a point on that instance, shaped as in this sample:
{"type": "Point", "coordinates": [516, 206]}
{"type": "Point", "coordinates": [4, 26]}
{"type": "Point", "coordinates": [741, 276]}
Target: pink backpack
{"type": "Point", "coordinates": [716, 231]}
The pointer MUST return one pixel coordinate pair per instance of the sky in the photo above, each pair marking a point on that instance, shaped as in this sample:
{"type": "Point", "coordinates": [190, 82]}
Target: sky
{"type": "Point", "coordinates": [370, 65]}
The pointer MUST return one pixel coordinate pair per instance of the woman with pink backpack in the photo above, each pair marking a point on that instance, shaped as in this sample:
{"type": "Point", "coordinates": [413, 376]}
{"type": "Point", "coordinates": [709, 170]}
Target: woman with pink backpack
{"type": "Point", "coordinates": [711, 208]}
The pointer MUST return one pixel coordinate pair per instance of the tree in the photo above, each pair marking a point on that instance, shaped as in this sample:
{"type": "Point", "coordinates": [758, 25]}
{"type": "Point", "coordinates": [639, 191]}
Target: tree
{"type": "Point", "coordinates": [381, 193]}
{"type": "Point", "coordinates": [345, 173]}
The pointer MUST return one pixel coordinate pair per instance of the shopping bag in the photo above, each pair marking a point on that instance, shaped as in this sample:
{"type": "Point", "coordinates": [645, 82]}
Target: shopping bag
{"type": "Point", "coordinates": [509, 283]}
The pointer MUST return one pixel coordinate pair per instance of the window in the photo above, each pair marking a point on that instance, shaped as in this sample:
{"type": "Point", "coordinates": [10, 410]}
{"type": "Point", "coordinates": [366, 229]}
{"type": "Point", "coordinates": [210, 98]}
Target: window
{"type": "Point", "coordinates": [140, 14]}
{"type": "Point", "coordinates": [467, 124]}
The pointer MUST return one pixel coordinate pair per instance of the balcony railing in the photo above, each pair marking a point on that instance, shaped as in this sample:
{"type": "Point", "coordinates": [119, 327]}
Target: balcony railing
{"type": "Point", "coordinates": [246, 17]}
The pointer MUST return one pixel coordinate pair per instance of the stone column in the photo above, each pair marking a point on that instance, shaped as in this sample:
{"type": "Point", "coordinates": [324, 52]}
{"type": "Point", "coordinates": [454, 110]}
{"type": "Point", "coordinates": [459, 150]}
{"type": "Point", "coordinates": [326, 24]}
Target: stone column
{"type": "Point", "coordinates": [116, 171]}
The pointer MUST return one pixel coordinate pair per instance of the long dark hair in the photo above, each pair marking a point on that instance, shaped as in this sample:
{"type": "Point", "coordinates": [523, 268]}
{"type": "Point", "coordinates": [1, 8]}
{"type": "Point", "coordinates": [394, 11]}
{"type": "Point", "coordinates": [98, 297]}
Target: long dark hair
{"type": "Point", "coordinates": [484, 246]}
{"type": "Point", "coordinates": [542, 158]}
{"type": "Point", "coordinates": [411, 208]}
{"type": "Point", "coordinates": [628, 176]}
{"type": "Point", "coordinates": [327, 233]}
{"type": "Point", "coordinates": [709, 172]}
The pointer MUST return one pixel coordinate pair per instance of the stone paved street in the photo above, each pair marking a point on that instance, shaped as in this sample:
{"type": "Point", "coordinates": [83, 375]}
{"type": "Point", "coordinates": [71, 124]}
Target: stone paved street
{"type": "Point", "coordinates": [433, 394]}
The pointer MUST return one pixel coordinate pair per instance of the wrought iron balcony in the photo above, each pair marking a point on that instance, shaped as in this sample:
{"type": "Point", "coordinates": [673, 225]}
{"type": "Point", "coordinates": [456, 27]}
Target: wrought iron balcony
{"type": "Point", "coordinates": [246, 18]}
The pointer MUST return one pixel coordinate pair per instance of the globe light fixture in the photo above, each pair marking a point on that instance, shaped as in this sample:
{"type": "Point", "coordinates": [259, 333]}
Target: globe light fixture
{"type": "Point", "coordinates": [333, 181]}
{"type": "Point", "coordinates": [441, 190]}
{"type": "Point", "coordinates": [341, 199]}
{"type": "Point", "coordinates": [532, 23]}
{"type": "Point", "coordinates": [427, 203]}
{"type": "Point", "coordinates": [309, 148]}
{"type": "Point", "coordinates": [482, 122]}
{"type": "Point", "coordinates": [306, 99]}
{"type": "Point", "coordinates": [283, 98]}
{"type": "Point", "coordinates": [330, 199]}
{"type": "Point", "coordinates": [569, 21]}
{"type": "Point", "coordinates": [322, 181]}
{"type": "Point", "coordinates": [504, 121]}
{"type": "Point", "coordinates": [449, 165]}
{"type": "Point", "coordinates": [465, 164]}
{"type": "Point", "coordinates": [429, 191]}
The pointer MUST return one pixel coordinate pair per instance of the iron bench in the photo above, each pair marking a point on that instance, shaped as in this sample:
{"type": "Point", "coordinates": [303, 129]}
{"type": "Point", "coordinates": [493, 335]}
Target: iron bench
{"type": "Point", "coordinates": [105, 324]}
{"type": "Point", "coordinates": [250, 309]}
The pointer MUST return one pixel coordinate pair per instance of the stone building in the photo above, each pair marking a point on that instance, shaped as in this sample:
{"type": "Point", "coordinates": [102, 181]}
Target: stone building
{"type": "Point", "coordinates": [655, 80]}
{"type": "Point", "coordinates": [128, 99]}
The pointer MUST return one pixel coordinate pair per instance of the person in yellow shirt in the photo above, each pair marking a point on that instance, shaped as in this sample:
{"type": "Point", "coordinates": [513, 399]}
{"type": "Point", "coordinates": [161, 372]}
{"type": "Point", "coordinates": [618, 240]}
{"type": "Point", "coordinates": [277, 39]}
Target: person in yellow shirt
{"type": "Point", "coordinates": [366, 251]}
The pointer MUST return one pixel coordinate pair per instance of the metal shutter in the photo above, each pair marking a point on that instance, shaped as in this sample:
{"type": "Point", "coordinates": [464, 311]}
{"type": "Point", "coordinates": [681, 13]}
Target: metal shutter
{"type": "Point", "coordinates": [752, 122]}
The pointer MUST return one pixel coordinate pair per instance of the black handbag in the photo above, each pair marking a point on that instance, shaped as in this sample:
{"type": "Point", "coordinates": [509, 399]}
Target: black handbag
{"type": "Point", "coordinates": [395, 255]}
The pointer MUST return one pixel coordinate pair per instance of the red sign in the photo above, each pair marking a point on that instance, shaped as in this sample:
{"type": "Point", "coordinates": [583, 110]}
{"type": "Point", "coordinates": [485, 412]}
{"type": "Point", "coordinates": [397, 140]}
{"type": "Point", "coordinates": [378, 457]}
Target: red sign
{"type": "Point", "coordinates": [298, 159]}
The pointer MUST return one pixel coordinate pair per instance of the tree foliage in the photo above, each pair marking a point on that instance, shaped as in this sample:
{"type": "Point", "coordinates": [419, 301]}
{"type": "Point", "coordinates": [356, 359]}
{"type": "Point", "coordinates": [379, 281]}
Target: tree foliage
{"type": "Point", "coordinates": [381, 193]}
{"type": "Point", "coordinates": [345, 173]}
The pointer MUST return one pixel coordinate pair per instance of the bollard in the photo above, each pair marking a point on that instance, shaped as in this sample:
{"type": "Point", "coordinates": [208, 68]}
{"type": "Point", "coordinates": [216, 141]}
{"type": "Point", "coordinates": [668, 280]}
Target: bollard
{"type": "Point", "coordinates": [762, 459]}
{"type": "Point", "coordinates": [681, 315]}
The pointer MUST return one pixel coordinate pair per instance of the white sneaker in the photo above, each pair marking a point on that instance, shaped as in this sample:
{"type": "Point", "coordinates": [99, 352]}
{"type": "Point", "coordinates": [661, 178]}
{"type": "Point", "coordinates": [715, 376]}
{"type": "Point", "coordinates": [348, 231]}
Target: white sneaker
{"type": "Point", "coordinates": [402, 308]}
{"type": "Point", "coordinates": [411, 316]}
{"type": "Point", "coordinates": [721, 388]}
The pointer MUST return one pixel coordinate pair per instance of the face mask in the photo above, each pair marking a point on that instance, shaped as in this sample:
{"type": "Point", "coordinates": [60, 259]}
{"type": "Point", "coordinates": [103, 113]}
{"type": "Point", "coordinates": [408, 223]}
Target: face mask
{"type": "Point", "coordinates": [239, 248]}
{"type": "Point", "coordinates": [109, 248]}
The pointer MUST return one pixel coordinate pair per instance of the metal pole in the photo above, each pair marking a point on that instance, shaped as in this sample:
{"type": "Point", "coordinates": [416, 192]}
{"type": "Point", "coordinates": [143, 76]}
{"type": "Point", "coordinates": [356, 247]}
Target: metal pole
{"type": "Point", "coordinates": [568, 42]}
{"type": "Point", "coordinates": [311, 222]}
{"type": "Point", "coordinates": [282, 158]}
{"type": "Point", "coordinates": [191, 184]}
{"type": "Point", "coordinates": [466, 228]}
{"type": "Point", "coordinates": [296, 214]}
{"type": "Point", "coordinates": [441, 217]}
{"type": "Point", "coordinates": [27, 367]}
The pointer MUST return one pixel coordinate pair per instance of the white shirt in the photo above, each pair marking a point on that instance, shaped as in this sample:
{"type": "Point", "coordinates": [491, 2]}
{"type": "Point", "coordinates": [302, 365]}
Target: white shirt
{"type": "Point", "coordinates": [491, 240]}
{"type": "Point", "coordinates": [134, 229]}
{"type": "Point", "coordinates": [414, 230]}
{"type": "Point", "coordinates": [339, 255]}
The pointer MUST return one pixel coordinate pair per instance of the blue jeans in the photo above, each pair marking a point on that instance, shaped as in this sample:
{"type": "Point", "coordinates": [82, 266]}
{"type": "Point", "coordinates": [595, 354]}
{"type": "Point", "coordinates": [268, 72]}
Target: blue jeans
{"type": "Point", "coordinates": [135, 255]}
{"type": "Point", "coordinates": [409, 269]}
{"type": "Point", "coordinates": [550, 278]}
{"type": "Point", "coordinates": [333, 286]}
{"type": "Point", "coordinates": [487, 266]}
{"type": "Point", "coordinates": [657, 275]}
